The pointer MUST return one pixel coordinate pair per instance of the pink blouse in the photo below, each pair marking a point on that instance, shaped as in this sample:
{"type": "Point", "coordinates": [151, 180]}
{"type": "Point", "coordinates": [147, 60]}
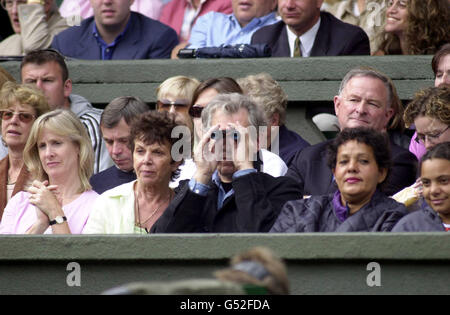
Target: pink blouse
{"type": "Point", "coordinates": [20, 214]}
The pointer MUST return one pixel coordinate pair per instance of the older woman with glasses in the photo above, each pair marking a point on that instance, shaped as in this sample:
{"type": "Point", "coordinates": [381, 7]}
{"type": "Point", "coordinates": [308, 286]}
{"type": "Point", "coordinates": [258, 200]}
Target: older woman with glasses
{"type": "Point", "coordinates": [175, 96]}
{"type": "Point", "coordinates": [35, 23]}
{"type": "Point", "coordinates": [60, 159]}
{"type": "Point", "coordinates": [429, 111]}
{"type": "Point", "coordinates": [20, 105]}
{"type": "Point", "coordinates": [204, 94]}
{"type": "Point", "coordinates": [441, 68]}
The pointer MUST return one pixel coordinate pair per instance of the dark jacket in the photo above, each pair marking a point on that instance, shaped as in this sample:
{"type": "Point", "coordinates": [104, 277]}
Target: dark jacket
{"type": "Point", "coordinates": [334, 38]}
{"type": "Point", "coordinates": [253, 207]}
{"type": "Point", "coordinates": [110, 178]}
{"type": "Point", "coordinates": [316, 214]}
{"type": "Point", "coordinates": [423, 220]}
{"type": "Point", "coordinates": [290, 143]}
{"type": "Point", "coordinates": [144, 38]}
{"type": "Point", "coordinates": [310, 169]}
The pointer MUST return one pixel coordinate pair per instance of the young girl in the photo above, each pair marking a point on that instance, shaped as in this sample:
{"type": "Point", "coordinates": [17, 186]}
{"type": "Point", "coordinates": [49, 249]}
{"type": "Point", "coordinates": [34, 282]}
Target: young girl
{"type": "Point", "coordinates": [434, 215]}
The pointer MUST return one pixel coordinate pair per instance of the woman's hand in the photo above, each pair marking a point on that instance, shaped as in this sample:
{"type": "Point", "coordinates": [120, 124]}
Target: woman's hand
{"type": "Point", "coordinates": [44, 198]}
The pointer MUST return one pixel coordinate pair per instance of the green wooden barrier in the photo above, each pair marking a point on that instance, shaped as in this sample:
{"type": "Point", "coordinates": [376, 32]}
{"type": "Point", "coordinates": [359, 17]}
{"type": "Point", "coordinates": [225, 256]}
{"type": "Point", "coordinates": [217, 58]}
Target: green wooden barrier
{"type": "Point", "coordinates": [321, 263]}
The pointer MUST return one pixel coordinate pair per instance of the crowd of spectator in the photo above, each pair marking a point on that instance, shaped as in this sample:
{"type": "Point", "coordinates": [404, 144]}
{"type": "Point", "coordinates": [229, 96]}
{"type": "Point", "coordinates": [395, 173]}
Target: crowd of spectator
{"type": "Point", "coordinates": [71, 168]}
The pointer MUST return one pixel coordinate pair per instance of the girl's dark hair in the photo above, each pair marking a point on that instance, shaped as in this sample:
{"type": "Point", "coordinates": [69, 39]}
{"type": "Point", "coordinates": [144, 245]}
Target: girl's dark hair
{"type": "Point", "coordinates": [154, 127]}
{"type": "Point", "coordinates": [379, 142]}
{"type": "Point", "coordinates": [439, 151]}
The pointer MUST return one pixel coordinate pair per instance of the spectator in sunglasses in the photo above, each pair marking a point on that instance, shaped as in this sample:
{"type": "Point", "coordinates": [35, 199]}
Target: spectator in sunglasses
{"type": "Point", "coordinates": [204, 93]}
{"type": "Point", "coordinates": [5, 76]}
{"type": "Point", "coordinates": [59, 198]}
{"type": "Point", "coordinates": [20, 105]}
{"type": "Point", "coordinates": [174, 95]}
{"type": "Point", "coordinates": [35, 23]}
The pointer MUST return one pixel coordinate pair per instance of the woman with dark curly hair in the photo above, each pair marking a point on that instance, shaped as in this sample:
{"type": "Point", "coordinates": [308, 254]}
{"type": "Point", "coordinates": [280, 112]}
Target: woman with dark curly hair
{"type": "Point", "coordinates": [133, 208]}
{"type": "Point", "coordinates": [360, 162]}
{"type": "Point", "coordinates": [20, 106]}
{"type": "Point", "coordinates": [415, 27]}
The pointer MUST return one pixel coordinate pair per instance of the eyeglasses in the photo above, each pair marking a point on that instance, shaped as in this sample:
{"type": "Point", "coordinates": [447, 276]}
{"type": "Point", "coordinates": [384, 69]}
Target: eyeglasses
{"type": "Point", "coordinates": [196, 111]}
{"type": "Point", "coordinates": [23, 117]}
{"type": "Point", "coordinates": [8, 4]}
{"type": "Point", "coordinates": [166, 104]}
{"type": "Point", "coordinates": [420, 138]}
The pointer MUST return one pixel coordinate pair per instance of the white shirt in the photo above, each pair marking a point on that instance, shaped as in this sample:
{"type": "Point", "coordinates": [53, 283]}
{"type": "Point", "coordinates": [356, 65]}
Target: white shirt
{"type": "Point", "coordinates": [306, 40]}
{"type": "Point", "coordinates": [190, 14]}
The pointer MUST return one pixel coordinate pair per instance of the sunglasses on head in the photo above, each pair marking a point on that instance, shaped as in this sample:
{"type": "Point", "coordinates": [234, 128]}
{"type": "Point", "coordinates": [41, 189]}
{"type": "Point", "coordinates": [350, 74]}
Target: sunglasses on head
{"type": "Point", "coordinates": [196, 111]}
{"type": "Point", "coordinates": [23, 117]}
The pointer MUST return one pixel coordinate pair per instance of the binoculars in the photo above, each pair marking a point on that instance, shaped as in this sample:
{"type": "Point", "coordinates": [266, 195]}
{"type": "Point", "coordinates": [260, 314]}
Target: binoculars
{"type": "Point", "coordinates": [223, 134]}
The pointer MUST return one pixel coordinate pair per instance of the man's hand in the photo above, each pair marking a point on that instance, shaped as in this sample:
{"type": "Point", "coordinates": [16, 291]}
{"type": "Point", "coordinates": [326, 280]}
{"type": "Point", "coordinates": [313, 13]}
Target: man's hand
{"type": "Point", "coordinates": [246, 146]}
{"type": "Point", "coordinates": [205, 157]}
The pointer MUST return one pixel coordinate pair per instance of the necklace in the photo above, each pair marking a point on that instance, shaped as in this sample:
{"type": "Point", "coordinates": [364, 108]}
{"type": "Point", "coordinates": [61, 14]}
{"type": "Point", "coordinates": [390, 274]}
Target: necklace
{"type": "Point", "coordinates": [10, 180]}
{"type": "Point", "coordinates": [138, 222]}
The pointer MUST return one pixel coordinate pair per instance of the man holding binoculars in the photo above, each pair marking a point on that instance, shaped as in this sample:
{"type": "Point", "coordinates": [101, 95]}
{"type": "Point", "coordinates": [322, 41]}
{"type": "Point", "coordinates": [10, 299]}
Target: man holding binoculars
{"type": "Point", "coordinates": [230, 190]}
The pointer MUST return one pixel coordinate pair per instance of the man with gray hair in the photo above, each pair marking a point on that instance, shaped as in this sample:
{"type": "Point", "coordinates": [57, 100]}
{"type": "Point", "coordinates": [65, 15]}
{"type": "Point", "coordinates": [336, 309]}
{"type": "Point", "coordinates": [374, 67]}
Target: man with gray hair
{"type": "Point", "coordinates": [228, 192]}
{"type": "Point", "coordinates": [115, 124]}
{"type": "Point", "coordinates": [365, 99]}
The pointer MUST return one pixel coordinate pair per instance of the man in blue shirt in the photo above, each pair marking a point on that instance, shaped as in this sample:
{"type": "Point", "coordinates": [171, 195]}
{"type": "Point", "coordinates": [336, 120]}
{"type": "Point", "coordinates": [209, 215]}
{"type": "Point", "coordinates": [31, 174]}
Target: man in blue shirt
{"type": "Point", "coordinates": [214, 29]}
{"type": "Point", "coordinates": [114, 32]}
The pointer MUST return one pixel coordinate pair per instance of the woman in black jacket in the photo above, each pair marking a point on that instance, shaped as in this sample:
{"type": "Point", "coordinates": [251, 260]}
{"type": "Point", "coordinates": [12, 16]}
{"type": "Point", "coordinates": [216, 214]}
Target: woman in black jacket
{"type": "Point", "coordinates": [359, 159]}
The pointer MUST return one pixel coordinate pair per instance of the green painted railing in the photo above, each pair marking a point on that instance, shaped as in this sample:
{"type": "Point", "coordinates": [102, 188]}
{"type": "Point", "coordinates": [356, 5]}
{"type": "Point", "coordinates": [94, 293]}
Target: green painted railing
{"type": "Point", "coordinates": [353, 263]}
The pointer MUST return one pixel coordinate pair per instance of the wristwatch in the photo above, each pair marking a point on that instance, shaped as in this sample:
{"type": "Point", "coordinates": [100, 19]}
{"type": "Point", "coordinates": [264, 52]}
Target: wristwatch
{"type": "Point", "coordinates": [58, 220]}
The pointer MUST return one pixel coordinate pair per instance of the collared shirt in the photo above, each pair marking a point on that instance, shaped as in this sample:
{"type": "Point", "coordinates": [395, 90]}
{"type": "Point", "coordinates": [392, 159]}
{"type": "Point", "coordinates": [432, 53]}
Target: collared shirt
{"type": "Point", "coordinates": [107, 49]}
{"type": "Point", "coordinates": [189, 17]}
{"type": "Point", "coordinates": [215, 29]}
{"type": "Point", "coordinates": [306, 40]}
{"type": "Point", "coordinates": [203, 189]}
